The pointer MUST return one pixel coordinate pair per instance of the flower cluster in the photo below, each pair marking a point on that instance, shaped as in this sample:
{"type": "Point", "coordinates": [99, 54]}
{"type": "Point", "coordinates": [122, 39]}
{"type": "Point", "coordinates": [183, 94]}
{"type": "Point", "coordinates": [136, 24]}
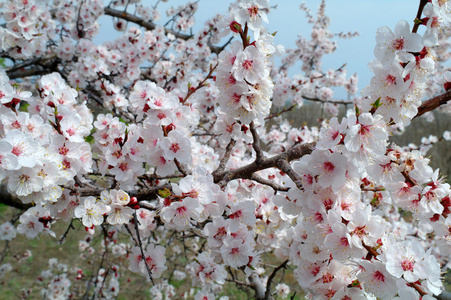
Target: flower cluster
{"type": "Point", "coordinates": [157, 144]}
{"type": "Point", "coordinates": [243, 71]}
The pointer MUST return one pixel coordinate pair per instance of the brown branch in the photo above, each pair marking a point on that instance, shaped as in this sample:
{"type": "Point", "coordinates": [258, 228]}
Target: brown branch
{"type": "Point", "coordinates": [431, 104]}
{"type": "Point", "coordinates": [269, 183]}
{"type": "Point", "coordinates": [180, 167]}
{"type": "Point", "coordinates": [63, 237]}
{"type": "Point", "coordinates": [135, 219]}
{"type": "Point", "coordinates": [417, 288]}
{"type": "Point", "coordinates": [131, 234]}
{"type": "Point", "coordinates": [249, 285]}
{"type": "Point", "coordinates": [225, 158]}
{"type": "Point", "coordinates": [9, 200]}
{"type": "Point", "coordinates": [31, 62]}
{"type": "Point", "coordinates": [328, 101]}
{"type": "Point", "coordinates": [201, 84]}
{"type": "Point", "coordinates": [38, 66]}
{"type": "Point", "coordinates": [418, 17]}
{"type": "Point", "coordinates": [285, 167]}
{"type": "Point", "coordinates": [370, 250]}
{"type": "Point", "coordinates": [271, 277]}
{"type": "Point", "coordinates": [246, 172]}
{"type": "Point", "coordinates": [147, 205]}
{"type": "Point", "coordinates": [256, 144]}
{"type": "Point", "coordinates": [276, 114]}
{"type": "Point", "coordinates": [143, 194]}
{"type": "Point", "coordinates": [151, 26]}
{"type": "Point", "coordinates": [35, 70]}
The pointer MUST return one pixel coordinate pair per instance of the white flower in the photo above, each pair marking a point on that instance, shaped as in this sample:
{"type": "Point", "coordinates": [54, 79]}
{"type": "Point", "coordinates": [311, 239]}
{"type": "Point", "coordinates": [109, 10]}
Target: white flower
{"type": "Point", "coordinates": [389, 43]}
{"type": "Point", "coordinates": [7, 231]}
{"type": "Point", "coordinates": [25, 182]}
{"type": "Point", "coordinates": [249, 65]}
{"type": "Point", "coordinates": [377, 280]}
{"type": "Point", "coordinates": [119, 214]}
{"type": "Point", "coordinates": [23, 147]}
{"type": "Point", "coordinates": [236, 253]}
{"type": "Point", "coordinates": [180, 213]}
{"type": "Point", "coordinates": [29, 225]}
{"type": "Point", "coordinates": [90, 212]}
{"type": "Point", "coordinates": [409, 260]}
{"type": "Point", "coordinates": [330, 167]}
{"type": "Point", "coordinates": [368, 132]}
{"type": "Point", "coordinates": [252, 12]}
{"type": "Point", "coordinates": [176, 146]}
{"type": "Point", "coordinates": [153, 257]}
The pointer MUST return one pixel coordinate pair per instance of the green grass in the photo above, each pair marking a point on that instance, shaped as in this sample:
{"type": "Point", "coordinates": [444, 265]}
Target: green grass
{"type": "Point", "coordinates": [133, 286]}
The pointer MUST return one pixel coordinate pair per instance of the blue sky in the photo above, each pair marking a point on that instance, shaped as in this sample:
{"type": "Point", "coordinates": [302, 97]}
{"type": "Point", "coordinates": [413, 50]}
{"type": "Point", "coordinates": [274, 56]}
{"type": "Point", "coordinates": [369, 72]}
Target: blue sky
{"type": "Point", "coordinates": [364, 16]}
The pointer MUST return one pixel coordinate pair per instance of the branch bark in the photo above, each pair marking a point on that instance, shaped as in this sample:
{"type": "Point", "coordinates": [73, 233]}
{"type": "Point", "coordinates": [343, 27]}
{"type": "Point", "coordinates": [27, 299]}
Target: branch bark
{"type": "Point", "coordinates": [419, 13]}
{"type": "Point", "coordinates": [272, 162]}
{"type": "Point", "coordinates": [271, 278]}
{"type": "Point", "coordinates": [431, 104]}
{"type": "Point", "coordinates": [9, 200]}
{"type": "Point", "coordinates": [256, 144]}
{"type": "Point", "coordinates": [151, 26]}
{"type": "Point", "coordinates": [270, 183]}
{"type": "Point", "coordinates": [258, 286]}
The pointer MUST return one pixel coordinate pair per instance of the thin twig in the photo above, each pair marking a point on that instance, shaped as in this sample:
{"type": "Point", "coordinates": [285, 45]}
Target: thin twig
{"type": "Point", "coordinates": [270, 183]}
{"type": "Point", "coordinates": [63, 237]}
{"type": "Point", "coordinates": [418, 17]}
{"type": "Point", "coordinates": [151, 26]}
{"type": "Point", "coordinates": [271, 277]}
{"type": "Point", "coordinates": [140, 245]}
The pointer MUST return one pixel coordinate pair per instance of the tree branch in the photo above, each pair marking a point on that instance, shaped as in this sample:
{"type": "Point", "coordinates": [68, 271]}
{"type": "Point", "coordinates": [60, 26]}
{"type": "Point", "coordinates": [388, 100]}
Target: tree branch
{"type": "Point", "coordinates": [246, 172]}
{"type": "Point", "coordinates": [225, 158]}
{"type": "Point", "coordinates": [419, 12]}
{"type": "Point", "coordinates": [270, 183]}
{"type": "Point", "coordinates": [285, 167]}
{"type": "Point", "coordinates": [431, 104]}
{"type": "Point", "coordinates": [271, 278]}
{"type": "Point", "coordinates": [143, 194]}
{"type": "Point", "coordinates": [9, 200]}
{"type": "Point", "coordinates": [151, 26]}
{"type": "Point", "coordinates": [328, 101]}
{"type": "Point", "coordinates": [256, 144]}
{"type": "Point", "coordinates": [258, 286]}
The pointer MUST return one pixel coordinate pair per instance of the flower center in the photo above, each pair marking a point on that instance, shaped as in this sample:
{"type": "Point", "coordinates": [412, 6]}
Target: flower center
{"type": "Point", "coordinates": [379, 276]}
{"type": "Point", "coordinates": [407, 264]}
{"type": "Point", "coordinates": [328, 166]}
{"type": "Point", "coordinates": [175, 147]}
{"type": "Point", "coordinates": [247, 64]}
{"type": "Point", "coordinates": [398, 44]}
{"type": "Point", "coordinates": [253, 10]}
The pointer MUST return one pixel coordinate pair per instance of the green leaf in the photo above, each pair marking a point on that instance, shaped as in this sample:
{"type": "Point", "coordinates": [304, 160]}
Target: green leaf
{"type": "Point", "coordinates": [355, 283]}
{"type": "Point", "coordinates": [164, 193]}
{"type": "Point", "coordinates": [24, 107]}
{"type": "Point", "coordinates": [357, 111]}
{"type": "Point", "coordinates": [89, 139]}
{"type": "Point", "coordinates": [377, 103]}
